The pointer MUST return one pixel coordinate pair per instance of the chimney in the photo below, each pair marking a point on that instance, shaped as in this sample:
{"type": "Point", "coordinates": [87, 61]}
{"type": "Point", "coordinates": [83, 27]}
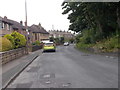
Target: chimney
{"type": "Point", "coordinates": [21, 22]}
{"type": "Point", "coordinates": [5, 17]}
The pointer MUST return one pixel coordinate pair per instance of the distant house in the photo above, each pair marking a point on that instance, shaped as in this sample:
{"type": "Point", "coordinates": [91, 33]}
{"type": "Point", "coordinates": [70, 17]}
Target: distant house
{"type": "Point", "coordinates": [7, 26]}
{"type": "Point", "coordinates": [59, 33]}
{"type": "Point", "coordinates": [38, 33]}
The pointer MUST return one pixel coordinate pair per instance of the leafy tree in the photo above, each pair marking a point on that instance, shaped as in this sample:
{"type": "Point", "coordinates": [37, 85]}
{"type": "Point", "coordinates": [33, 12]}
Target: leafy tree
{"type": "Point", "coordinates": [61, 40]}
{"type": "Point", "coordinates": [101, 18]}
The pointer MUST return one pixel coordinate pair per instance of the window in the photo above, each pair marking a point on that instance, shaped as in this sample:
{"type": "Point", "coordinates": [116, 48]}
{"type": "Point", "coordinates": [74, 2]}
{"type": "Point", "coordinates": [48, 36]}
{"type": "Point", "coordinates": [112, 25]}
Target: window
{"type": "Point", "coordinates": [35, 36]}
{"type": "Point", "coordinates": [3, 25]}
{"type": "Point", "coordinates": [7, 26]}
{"type": "Point", "coordinates": [0, 25]}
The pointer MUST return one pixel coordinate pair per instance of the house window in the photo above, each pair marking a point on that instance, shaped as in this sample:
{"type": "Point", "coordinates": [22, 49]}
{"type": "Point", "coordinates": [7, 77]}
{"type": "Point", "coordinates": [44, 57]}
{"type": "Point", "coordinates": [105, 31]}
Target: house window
{"type": "Point", "coordinates": [8, 27]}
{"type": "Point", "coordinates": [3, 25]}
{"type": "Point", "coordinates": [35, 36]}
{"type": "Point", "coordinates": [0, 25]}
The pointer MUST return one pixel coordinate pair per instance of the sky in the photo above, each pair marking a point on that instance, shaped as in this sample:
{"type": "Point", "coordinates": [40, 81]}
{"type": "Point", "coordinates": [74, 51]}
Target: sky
{"type": "Point", "coordinates": [46, 12]}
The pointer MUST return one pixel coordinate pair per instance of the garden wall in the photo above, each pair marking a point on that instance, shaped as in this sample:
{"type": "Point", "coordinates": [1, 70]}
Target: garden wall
{"type": "Point", "coordinates": [8, 56]}
{"type": "Point", "coordinates": [35, 48]}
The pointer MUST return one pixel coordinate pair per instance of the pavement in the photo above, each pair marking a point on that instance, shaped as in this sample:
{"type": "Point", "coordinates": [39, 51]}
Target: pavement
{"type": "Point", "coordinates": [15, 67]}
{"type": "Point", "coordinates": [69, 68]}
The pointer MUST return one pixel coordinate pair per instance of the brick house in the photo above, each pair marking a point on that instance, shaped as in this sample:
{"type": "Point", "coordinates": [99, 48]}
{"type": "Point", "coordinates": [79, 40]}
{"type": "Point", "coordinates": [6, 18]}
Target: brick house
{"type": "Point", "coordinates": [38, 33]}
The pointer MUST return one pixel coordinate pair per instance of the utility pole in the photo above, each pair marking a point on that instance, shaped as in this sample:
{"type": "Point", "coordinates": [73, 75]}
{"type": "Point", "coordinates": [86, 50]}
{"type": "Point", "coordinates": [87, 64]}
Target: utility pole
{"type": "Point", "coordinates": [26, 14]}
{"type": "Point", "coordinates": [26, 27]}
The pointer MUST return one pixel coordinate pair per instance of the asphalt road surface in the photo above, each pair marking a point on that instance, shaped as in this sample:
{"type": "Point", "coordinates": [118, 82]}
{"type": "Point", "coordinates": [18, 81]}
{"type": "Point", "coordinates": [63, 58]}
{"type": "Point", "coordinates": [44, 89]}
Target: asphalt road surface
{"type": "Point", "coordinates": [69, 68]}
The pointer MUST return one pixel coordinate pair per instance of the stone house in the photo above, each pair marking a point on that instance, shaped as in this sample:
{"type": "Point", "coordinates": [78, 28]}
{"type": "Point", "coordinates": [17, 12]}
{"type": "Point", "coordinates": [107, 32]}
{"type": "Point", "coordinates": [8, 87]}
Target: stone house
{"type": "Point", "coordinates": [59, 33]}
{"type": "Point", "coordinates": [38, 33]}
{"type": "Point", "coordinates": [7, 26]}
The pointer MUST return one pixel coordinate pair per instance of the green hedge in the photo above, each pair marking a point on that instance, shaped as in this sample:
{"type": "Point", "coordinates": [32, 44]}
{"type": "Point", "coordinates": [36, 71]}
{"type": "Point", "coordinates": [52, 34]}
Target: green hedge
{"type": "Point", "coordinates": [5, 44]}
{"type": "Point", "coordinates": [17, 39]}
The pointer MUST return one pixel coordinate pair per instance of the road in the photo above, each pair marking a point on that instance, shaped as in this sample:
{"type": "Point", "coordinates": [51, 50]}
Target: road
{"type": "Point", "coordinates": [69, 68]}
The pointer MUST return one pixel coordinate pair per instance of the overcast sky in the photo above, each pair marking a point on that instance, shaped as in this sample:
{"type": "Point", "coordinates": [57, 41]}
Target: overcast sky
{"type": "Point", "coordinates": [47, 12]}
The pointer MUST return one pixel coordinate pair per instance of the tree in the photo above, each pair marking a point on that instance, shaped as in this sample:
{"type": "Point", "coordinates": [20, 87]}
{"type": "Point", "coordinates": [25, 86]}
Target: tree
{"type": "Point", "coordinates": [101, 17]}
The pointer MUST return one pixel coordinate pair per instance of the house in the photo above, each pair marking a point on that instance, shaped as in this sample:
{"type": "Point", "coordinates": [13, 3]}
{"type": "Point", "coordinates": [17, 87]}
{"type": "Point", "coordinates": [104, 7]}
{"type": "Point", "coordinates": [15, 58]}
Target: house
{"type": "Point", "coordinates": [59, 33]}
{"type": "Point", "coordinates": [38, 33]}
{"type": "Point", "coordinates": [7, 26]}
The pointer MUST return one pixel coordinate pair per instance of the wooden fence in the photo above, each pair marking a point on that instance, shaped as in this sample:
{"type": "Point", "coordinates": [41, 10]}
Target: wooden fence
{"type": "Point", "coordinates": [8, 56]}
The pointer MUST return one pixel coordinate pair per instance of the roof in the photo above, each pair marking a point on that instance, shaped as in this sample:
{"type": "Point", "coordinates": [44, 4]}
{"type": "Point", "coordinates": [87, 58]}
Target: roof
{"type": "Point", "coordinates": [15, 24]}
{"type": "Point", "coordinates": [38, 29]}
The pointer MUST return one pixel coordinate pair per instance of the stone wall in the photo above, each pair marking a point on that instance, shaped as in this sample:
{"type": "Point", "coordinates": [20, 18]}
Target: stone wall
{"type": "Point", "coordinates": [8, 56]}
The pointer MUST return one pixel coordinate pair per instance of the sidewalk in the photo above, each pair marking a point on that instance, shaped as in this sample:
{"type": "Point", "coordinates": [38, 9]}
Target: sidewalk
{"type": "Point", "coordinates": [13, 68]}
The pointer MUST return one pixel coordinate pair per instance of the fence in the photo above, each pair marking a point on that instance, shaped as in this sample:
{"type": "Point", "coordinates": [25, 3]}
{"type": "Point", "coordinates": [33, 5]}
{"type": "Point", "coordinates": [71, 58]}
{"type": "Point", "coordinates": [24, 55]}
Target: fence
{"type": "Point", "coordinates": [8, 56]}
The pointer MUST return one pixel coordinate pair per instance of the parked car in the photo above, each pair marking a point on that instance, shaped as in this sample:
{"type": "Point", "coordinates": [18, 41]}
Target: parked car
{"type": "Point", "coordinates": [66, 44]}
{"type": "Point", "coordinates": [49, 46]}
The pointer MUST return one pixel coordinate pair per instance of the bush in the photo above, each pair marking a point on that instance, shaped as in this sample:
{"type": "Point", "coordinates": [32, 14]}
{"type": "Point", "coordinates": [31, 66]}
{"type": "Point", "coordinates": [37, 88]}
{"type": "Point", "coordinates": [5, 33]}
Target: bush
{"type": "Point", "coordinates": [108, 45]}
{"type": "Point", "coordinates": [83, 46]}
{"type": "Point", "coordinates": [37, 43]}
{"type": "Point", "coordinates": [17, 39]}
{"type": "Point", "coordinates": [5, 44]}
{"type": "Point", "coordinates": [11, 39]}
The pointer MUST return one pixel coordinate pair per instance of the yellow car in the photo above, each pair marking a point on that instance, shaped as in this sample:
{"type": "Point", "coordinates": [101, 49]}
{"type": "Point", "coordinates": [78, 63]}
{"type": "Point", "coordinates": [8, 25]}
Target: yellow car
{"type": "Point", "coordinates": [49, 46]}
